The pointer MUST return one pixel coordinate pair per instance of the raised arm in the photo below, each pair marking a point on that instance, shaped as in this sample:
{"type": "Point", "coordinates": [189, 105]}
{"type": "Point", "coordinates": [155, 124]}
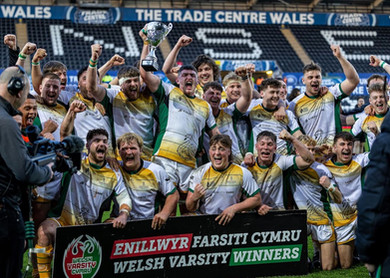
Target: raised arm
{"type": "Point", "coordinates": [245, 72]}
{"type": "Point", "coordinates": [96, 90]}
{"type": "Point", "coordinates": [28, 49]}
{"type": "Point", "coordinates": [67, 124]}
{"type": "Point", "coordinates": [170, 61]}
{"type": "Point", "coordinates": [151, 80]}
{"type": "Point", "coordinates": [13, 49]}
{"type": "Point", "coordinates": [377, 62]}
{"type": "Point", "coordinates": [352, 78]}
{"type": "Point", "coordinates": [115, 60]}
{"type": "Point", "coordinates": [304, 158]}
{"type": "Point", "coordinates": [331, 187]}
{"type": "Point", "coordinates": [36, 73]}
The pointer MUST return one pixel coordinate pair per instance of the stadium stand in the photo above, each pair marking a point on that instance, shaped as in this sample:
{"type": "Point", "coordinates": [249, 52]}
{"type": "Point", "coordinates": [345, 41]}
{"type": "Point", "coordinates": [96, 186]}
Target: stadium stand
{"type": "Point", "coordinates": [358, 44]}
{"type": "Point", "coordinates": [7, 26]}
{"type": "Point", "coordinates": [71, 43]}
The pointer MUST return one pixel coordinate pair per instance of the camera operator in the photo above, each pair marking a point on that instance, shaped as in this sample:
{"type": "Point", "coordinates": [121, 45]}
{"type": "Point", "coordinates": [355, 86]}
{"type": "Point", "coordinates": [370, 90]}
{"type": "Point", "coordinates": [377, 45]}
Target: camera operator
{"type": "Point", "coordinates": [16, 170]}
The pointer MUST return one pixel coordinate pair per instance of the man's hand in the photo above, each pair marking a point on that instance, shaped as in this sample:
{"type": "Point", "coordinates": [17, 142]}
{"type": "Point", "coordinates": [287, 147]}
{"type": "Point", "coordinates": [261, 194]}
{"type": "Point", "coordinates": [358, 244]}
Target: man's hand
{"type": "Point", "coordinates": [48, 135]}
{"type": "Point", "coordinates": [226, 216]}
{"type": "Point", "coordinates": [264, 209]}
{"type": "Point", "coordinates": [120, 221]}
{"type": "Point", "coordinates": [50, 127]}
{"type": "Point", "coordinates": [280, 114]}
{"type": "Point", "coordinates": [10, 41]}
{"type": "Point", "coordinates": [249, 159]}
{"type": "Point", "coordinates": [77, 106]}
{"type": "Point", "coordinates": [325, 182]}
{"type": "Point", "coordinates": [369, 110]}
{"type": "Point", "coordinates": [372, 127]}
{"type": "Point", "coordinates": [184, 41]}
{"type": "Point", "coordinates": [285, 135]}
{"type": "Point", "coordinates": [143, 33]}
{"type": "Point", "coordinates": [375, 61]}
{"type": "Point", "coordinates": [159, 220]}
{"type": "Point", "coordinates": [29, 48]}
{"type": "Point", "coordinates": [370, 267]}
{"type": "Point", "coordinates": [96, 51]}
{"type": "Point", "coordinates": [243, 71]}
{"type": "Point", "coordinates": [199, 192]}
{"type": "Point", "coordinates": [323, 91]}
{"type": "Point", "coordinates": [39, 55]}
{"type": "Point", "coordinates": [336, 51]}
{"type": "Point", "coordinates": [117, 60]}
{"type": "Point", "coordinates": [113, 162]}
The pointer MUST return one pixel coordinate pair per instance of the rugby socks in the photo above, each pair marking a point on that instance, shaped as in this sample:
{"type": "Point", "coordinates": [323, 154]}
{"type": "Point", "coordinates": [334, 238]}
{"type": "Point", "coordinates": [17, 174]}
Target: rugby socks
{"type": "Point", "coordinates": [44, 261]}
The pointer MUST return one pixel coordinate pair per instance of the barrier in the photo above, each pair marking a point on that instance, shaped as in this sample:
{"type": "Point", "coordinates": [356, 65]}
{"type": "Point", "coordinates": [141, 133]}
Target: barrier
{"type": "Point", "coordinates": [188, 246]}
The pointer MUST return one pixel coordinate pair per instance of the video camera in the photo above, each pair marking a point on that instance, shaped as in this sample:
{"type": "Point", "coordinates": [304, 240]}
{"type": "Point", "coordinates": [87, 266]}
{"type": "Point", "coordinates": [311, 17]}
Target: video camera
{"type": "Point", "coordinates": [66, 155]}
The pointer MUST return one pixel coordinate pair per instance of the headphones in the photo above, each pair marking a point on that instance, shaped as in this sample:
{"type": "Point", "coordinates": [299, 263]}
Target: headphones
{"type": "Point", "coordinates": [16, 83]}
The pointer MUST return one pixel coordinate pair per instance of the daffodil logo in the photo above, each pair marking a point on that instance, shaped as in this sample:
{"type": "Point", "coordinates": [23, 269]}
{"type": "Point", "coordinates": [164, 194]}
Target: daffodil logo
{"type": "Point", "coordinates": [82, 258]}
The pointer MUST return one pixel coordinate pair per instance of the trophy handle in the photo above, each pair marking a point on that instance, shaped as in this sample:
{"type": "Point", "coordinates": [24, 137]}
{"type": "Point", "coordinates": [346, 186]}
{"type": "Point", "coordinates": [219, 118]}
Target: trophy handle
{"type": "Point", "coordinates": [170, 26]}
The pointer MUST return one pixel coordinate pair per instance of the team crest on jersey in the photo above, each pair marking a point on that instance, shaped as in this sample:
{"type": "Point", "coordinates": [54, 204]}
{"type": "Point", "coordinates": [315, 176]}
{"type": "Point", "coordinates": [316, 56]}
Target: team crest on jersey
{"type": "Point", "coordinates": [82, 258]}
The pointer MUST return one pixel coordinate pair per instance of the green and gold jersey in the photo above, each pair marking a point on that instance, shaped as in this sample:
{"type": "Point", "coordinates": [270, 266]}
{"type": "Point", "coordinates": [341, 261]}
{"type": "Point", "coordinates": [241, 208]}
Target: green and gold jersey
{"type": "Point", "coordinates": [55, 113]}
{"type": "Point", "coordinates": [182, 119]}
{"type": "Point", "coordinates": [134, 116]}
{"type": "Point", "coordinates": [223, 188]}
{"type": "Point", "coordinates": [349, 178]}
{"type": "Point", "coordinates": [310, 195]}
{"type": "Point", "coordinates": [319, 116]}
{"type": "Point", "coordinates": [143, 186]}
{"type": "Point", "coordinates": [88, 188]}
{"type": "Point", "coordinates": [270, 179]}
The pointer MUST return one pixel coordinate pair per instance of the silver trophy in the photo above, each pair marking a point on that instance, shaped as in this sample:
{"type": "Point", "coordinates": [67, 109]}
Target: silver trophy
{"type": "Point", "coordinates": [156, 33]}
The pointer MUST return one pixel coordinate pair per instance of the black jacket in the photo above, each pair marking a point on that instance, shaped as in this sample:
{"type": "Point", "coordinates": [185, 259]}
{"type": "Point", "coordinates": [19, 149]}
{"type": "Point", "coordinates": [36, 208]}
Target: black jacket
{"type": "Point", "coordinates": [373, 232]}
{"type": "Point", "coordinates": [16, 167]}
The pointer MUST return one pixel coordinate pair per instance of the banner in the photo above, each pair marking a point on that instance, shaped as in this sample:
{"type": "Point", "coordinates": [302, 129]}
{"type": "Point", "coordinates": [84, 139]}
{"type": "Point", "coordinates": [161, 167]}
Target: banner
{"type": "Point", "coordinates": [112, 15]}
{"type": "Point", "coordinates": [188, 246]}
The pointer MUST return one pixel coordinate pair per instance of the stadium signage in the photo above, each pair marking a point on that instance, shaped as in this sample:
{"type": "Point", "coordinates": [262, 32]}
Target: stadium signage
{"type": "Point", "coordinates": [249, 246]}
{"type": "Point", "coordinates": [112, 15]}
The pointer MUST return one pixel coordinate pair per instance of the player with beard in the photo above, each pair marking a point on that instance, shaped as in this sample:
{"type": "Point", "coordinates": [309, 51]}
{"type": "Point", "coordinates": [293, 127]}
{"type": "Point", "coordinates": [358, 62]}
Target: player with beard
{"type": "Point", "coordinates": [144, 180]}
{"type": "Point", "coordinates": [348, 172]}
{"type": "Point", "coordinates": [319, 114]}
{"type": "Point", "coordinates": [182, 118]}
{"type": "Point", "coordinates": [92, 115]}
{"type": "Point", "coordinates": [371, 125]}
{"type": "Point", "coordinates": [133, 108]}
{"type": "Point", "coordinates": [269, 166]}
{"type": "Point", "coordinates": [83, 196]}
{"type": "Point", "coordinates": [218, 186]}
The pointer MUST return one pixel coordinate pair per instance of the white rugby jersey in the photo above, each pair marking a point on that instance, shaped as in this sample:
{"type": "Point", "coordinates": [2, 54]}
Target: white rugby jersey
{"type": "Point", "coordinates": [223, 188]}
{"type": "Point", "coordinates": [226, 122]}
{"type": "Point", "coordinates": [182, 119]}
{"type": "Point", "coordinates": [319, 117]}
{"type": "Point", "coordinates": [262, 119]}
{"type": "Point", "coordinates": [88, 189]}
{"type": "Point", "coordinates": [55, 113]}
{"type": "Point", "coordinates": [134, 116]}
{"type": "Point", "coordinates": [143, 186]}
{"type": "Point", "coordinates": [310, 195]}
{"type": "Point", "coordinates": [361, 126]}
{"type": "Point", "coordinates": [93, 117]}
{"type": "Point", "coordinates": [270, 179]}
{"type": "Point", "coordinates": [349, 179]}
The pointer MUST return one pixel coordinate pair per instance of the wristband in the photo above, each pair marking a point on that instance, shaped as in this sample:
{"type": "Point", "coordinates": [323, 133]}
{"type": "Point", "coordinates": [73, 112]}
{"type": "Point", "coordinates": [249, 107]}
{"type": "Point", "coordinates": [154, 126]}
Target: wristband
{"type": "Point", "coordinates": [248, 154]}
{"type": "Point", "coordinates": [35, 64]}
{"type": "Point", "coordinates": [146, 43]}
{"type": "Point", "coordinates": [92, 66]}
{"type": "Point", "coordinates": [331, 188]}
{"type": "Point", "coordinates": [383, 64]}
{"type": "Point", "coordinates": [93, 62]}
{"type": "Point", "coordinates": [22, 57]}
{"type": "Point", "coordinates": [125, 211]}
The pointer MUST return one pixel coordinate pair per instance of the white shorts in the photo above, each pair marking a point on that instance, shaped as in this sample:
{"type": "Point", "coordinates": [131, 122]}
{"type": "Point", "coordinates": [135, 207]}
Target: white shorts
{"type": "Point", "coordinates": [322, 233]}
{"type": "Point", "coordinates": [177, 172]}
{"type": "Point", "coordinates": [50, 191]}
{"type": "Point", "coordinates": [346, 233]}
